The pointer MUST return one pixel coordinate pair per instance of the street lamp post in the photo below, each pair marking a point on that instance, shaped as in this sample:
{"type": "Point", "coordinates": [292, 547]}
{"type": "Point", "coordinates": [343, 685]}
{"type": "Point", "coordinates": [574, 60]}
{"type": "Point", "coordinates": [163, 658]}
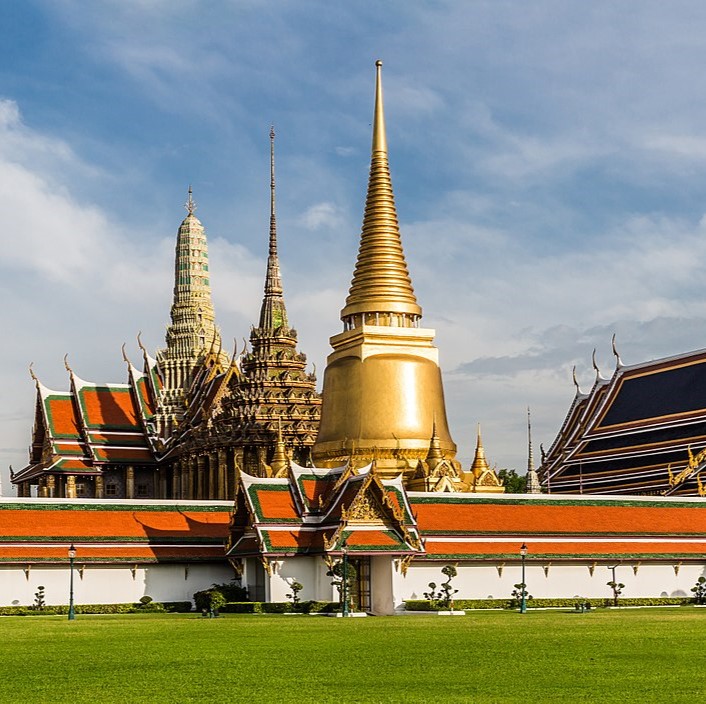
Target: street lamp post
{"type": "Point", "coordinates": [72, 557]}
{"type": "Point", "coordinates": [523, 598]}
{"type": "Point", "coordinates": [344, 591]}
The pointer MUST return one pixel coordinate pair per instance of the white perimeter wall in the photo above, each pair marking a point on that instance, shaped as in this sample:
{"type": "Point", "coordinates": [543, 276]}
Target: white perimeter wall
{"type": "Point", "coordinates": [482, 581]}
{"type": "Point", "coordinates": [109, 584]}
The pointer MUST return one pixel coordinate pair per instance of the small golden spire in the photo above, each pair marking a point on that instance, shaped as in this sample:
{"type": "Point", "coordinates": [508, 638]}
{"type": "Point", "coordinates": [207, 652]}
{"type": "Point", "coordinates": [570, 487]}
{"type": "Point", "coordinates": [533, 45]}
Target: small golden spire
{"type": "Point", "coordinates": [280, 461]}
{"type": "Point", "coordinates": [381, 283]}
{"type": "Point", "coordinates": [480, 463]}
{"type": "Point", "coordinates": [435, 455]}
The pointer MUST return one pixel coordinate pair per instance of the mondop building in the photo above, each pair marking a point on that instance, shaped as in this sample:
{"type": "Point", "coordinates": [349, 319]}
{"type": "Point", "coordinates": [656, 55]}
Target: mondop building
{"type": "Point", "coordinates": [241, 480]}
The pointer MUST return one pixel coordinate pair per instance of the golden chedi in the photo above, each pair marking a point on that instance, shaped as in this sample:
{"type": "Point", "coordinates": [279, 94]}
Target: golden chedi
{"type": "Point", "coordinates": [382, 389]}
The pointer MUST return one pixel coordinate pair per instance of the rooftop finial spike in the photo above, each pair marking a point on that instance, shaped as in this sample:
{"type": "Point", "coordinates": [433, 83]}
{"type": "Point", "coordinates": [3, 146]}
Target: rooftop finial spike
{"type": "Point", "coordinates": [595, 364]}
{"type": "Point", "coordinates": [125, 359]}
{"type": "Point", "coordinates": [618, 361]}
{"type": "Point", "coordinates": [379, 134]}
{"type": "Point", "coordinates": [190, 205]}
{"type": "Point", "coordinates": [575, 380]}
{"type": "Point", "coordinates": [33, 375]}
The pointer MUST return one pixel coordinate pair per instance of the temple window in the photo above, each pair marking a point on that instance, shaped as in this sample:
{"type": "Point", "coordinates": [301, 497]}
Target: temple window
{"type": "Point", "coordinates": [111, 489]}
{"type": "Point", "coordinates": [142, 491]}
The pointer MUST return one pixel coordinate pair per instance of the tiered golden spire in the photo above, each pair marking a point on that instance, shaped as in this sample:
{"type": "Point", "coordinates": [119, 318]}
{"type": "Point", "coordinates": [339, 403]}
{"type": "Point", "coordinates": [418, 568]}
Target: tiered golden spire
{"type": "Point", "coordinates": [480, 463]}
{"type": "Point", "coordinates": [381, 285]}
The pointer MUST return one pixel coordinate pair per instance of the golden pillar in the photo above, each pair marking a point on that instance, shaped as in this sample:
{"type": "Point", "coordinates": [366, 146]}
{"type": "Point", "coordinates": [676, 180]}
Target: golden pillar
{"type": "Point", "coordinates": [129, 482]}
{"type": "Point", "coordinates": [51, 486]}
{"type": "Point", "coordinates": [212, 489]}
{"type": "Point", "coordinates": [190, 477]}
{"type": "Point", "coordinates": [222, 474]}
{"type": "Point", "coordinates": [176, 475]}
{"type": "Point", "coordinates": [382, 386]}
{"type": "Point", "coordinates": [200, 477]}
{"type": "Point", "coordinates": [99, 487]}
{"type": "Point", "coordinates": [71, 487]}
{"type": "Point", "coordinates": [42, 488]}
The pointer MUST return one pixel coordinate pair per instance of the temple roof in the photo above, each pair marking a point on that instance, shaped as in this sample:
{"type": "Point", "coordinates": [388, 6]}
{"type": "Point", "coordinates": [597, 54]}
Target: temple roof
{"type": "Point", "coordinates": [632, 433]}
{"type": "Point", "coordinates": [39, 531]}
{"type": "Point", "coordinates": [322, 511]}
{"type": "Point", "coordinates": [463, 526]}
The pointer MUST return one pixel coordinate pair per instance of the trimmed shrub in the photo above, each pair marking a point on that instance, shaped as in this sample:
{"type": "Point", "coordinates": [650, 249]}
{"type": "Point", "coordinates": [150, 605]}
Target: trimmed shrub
{"type": "Point", "coordinates": [461, 604]}
{"type": "Point", "coordinates": [62, 609]}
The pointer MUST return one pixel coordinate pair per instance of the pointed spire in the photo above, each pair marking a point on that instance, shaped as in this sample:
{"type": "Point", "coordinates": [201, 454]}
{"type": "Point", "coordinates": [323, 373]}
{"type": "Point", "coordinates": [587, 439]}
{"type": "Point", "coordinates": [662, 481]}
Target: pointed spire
{"type": "Point", "coordinates": [273, 313]}
{"type": "Point", "coordinates": [434, 455]}
{"type": "Point", "coordinates": [190, 204]}
{"type": "Point", "coordinates": [280, 461]}
{"type": "Point", "coordinates": [532, 486]}
{"type": "Point", "coordinates": [381, 283]}
{"type": "Point", "coordinates": [480, 463]}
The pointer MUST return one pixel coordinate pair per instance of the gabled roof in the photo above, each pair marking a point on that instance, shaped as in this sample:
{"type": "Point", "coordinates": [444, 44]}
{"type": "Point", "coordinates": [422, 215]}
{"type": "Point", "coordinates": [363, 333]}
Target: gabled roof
{"type": "Point", "coordinates": [630, 432]}
{"type": "Point", "coordinates": [322, 511]}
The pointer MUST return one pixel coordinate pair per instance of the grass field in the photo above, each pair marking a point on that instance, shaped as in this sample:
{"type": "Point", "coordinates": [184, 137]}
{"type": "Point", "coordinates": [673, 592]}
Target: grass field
{"type": "Point", "coordinates": [645, 655]}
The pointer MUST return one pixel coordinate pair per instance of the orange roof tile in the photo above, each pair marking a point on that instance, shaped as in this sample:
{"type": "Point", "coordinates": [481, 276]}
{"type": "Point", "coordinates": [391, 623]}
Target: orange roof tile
{"type": "Point", "coordinates": [62, 416]}
{"type": "Point", "coordinates": [121, 522]}
{"type": "Point", "coordinates": [539, 517]}
{"type": "Point", "coordinates": [108, 407]}
{"type": "Point", "coordinates": [273, 504]}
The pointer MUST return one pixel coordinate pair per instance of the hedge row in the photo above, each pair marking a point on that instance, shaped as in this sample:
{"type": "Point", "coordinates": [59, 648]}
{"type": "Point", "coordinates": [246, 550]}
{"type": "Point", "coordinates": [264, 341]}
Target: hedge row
{"type": "Point", "coordinates": [152, 607]}
{"type": "Point", "coordinates": [279, 607]}
{"type": "Point", "coordinates": [461, 604]}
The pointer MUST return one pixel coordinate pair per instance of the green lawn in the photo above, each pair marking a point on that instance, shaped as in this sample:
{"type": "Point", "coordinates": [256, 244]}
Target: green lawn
{"type": "Point", "coordinates": [645, 655]}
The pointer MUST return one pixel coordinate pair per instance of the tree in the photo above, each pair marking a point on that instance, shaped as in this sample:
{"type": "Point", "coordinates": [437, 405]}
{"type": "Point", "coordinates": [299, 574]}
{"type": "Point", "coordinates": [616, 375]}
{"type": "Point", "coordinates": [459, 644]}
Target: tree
{"type": "Point", "coordinates": [296, 587]}
{"type": "Point", "coordinates": [336, 571]}
{"type": "Point", "coordinates": [39, 602]}
{"type": "Point", "coordinates": [617, 588]}
{"type": "Point", "coordinates": [444, 597]}
{"type": "Point", "coordinates": [518, 592]}
{"type": "Point", "coordinates": [699, 590]}
{"type": "Point", "coordinates": [514, 483]}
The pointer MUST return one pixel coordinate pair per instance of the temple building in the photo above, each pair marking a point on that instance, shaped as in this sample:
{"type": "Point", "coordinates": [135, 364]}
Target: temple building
{"type": "Point", "coordinates": [186, 423]}
{"type": "Point", "coordinates": [643, 431]}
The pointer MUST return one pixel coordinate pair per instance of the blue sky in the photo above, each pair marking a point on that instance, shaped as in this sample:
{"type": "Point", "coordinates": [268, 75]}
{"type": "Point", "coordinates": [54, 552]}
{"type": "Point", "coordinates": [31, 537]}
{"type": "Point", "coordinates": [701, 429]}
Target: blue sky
{"type": "Point", "coordinates": [548, 161]}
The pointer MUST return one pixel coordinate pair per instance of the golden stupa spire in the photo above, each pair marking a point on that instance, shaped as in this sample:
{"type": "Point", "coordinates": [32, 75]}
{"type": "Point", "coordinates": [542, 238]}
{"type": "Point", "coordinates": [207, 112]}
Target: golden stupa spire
{"type": "Point", "coordinates": [381, 292]}
{"type": "Point", "coordinates": [480, 463]}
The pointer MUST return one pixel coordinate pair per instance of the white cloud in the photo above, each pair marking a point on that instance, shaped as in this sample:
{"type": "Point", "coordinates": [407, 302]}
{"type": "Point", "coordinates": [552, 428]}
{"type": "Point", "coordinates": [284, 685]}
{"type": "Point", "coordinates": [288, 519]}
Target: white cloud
{"type": "Point", "coordinates": [321, 215]}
